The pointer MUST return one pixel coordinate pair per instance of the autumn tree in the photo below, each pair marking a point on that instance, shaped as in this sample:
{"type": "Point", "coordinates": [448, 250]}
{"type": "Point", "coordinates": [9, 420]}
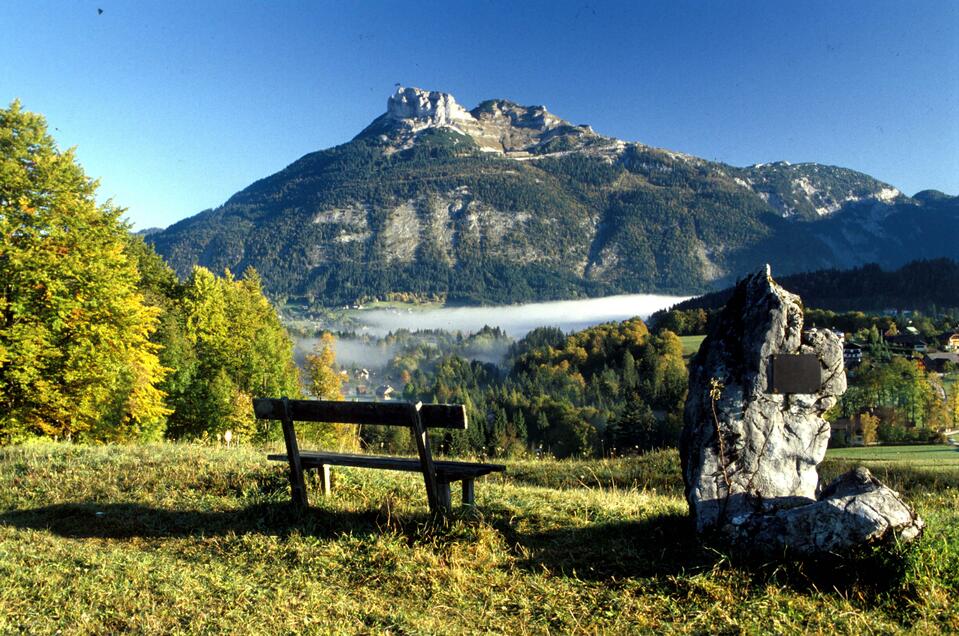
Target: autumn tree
{"type": "Point", "coordinates": [76, 359]}
{"type": "Point", "coordinates": [952, 407]}
{"type": "Point", "coordinates": [326, 383]}
{"type": "Point", "coordinates": [869, 424]}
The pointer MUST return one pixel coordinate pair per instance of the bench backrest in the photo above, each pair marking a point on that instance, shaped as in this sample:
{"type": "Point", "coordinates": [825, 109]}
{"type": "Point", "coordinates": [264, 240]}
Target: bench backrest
{"type": "Point", "coordinates": [384, 413]}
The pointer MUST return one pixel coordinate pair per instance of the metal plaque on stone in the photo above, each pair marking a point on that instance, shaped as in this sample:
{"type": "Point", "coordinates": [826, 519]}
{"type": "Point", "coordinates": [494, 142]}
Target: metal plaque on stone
{"type": "Point", "coordinates": [800, 373]}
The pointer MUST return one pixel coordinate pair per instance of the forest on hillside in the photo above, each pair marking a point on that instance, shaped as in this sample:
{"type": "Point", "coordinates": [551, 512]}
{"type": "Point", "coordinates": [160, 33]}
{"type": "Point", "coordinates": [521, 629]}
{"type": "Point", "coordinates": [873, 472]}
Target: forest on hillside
{"type": "Point", "coordinates": [443, 219]}
{"type": "Point", "coordinates": [928, 285]}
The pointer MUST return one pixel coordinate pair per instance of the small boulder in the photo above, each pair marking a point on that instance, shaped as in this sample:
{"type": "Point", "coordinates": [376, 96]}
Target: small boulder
{"type": "Point", "coordinates": [855, 509]}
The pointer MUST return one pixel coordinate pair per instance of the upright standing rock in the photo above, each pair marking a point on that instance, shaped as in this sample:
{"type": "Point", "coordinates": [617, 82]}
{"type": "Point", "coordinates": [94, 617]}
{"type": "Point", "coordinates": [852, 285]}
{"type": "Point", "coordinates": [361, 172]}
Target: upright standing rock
{"type": "Point", "coordinates": [748, 452]}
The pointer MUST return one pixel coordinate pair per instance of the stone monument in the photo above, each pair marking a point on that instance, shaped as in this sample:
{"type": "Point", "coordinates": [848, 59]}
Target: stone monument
{"type": "Point", "coordinates": [750, 445]}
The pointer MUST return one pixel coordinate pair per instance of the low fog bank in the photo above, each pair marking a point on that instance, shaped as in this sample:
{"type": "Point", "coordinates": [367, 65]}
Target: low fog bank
{"type": "Point", "coordinates": [515, 320]}
{"type": "Point", "coordinates": [349, 352]}
{"type": "Point", "coordinates": [493, 353]}
{"type": "Point", "coordinates": [518, 320]}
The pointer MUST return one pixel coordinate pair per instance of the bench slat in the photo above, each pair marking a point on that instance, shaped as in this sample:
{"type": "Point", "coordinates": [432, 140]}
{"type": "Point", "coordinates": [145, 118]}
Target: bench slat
{"type": "Point", "coordinates": [384, 413]}
{"type": "Point", "coordinates": [444, 469]}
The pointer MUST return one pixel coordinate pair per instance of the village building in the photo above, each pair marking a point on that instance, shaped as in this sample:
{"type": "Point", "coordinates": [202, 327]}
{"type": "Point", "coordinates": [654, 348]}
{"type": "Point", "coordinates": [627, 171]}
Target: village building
{"type": "Point", "coordinates": [851, 354]}
{"type": "Point", "coordinates": [846, 431]}
{"type": "Point", "coordinates": [941, 362]}
{"type": "Point", "coordinates": [907, 342]}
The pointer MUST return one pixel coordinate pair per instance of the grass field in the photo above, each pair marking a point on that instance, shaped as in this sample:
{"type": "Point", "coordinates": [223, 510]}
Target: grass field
{"type": "Point", "coordinates": [187, 539]}
{"type": "Point", "coordinates": [927, 455]}
{"type": "Point", "coordinates": [691, 344]}
{"type": "Point", "coordinates": [398, 305]}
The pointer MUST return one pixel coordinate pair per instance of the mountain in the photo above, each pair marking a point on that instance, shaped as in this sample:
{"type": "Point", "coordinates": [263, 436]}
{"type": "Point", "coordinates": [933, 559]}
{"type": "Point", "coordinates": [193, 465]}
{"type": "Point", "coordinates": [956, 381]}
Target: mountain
{"type": "Point", "coordinates": [508, 203]}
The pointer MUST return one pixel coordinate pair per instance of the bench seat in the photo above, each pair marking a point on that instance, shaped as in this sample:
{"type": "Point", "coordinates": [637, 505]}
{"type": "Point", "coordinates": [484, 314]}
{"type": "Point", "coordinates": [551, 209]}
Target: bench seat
{"type": "Point", "coordinates": [445, 470]}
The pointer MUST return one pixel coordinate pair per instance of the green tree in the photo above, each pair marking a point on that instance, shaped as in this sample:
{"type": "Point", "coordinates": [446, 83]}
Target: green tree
{"type": "Point", "coordinates": [232, 348]}
{"type": "Point", "coordinates": [637, 429]}
{"type": "Point", "coordinates": [76, 359]}
{"type": "Point", "coordinates": [630, 375]}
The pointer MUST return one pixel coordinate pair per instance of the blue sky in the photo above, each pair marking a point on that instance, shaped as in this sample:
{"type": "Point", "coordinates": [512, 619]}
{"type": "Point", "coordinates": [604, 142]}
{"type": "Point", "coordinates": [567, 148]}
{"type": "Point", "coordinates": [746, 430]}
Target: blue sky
{"type": "Point", "coordinates": [176, 106]}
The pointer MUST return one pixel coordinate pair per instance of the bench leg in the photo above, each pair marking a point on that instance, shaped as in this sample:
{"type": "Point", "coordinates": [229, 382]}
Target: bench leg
{"type": "Point", "coordinates": [443, 494]}
{"type": "Point", "coordinates": [468, 494]}
{"type": "Point", "coordinates": [297, 484]}
{"type": "Point", "coordinates": [325, 479]}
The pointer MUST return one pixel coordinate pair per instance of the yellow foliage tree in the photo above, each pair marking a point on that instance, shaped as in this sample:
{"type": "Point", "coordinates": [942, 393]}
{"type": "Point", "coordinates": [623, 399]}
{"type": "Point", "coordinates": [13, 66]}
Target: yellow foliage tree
{"type": "Point", "coordinates": [326, 383]}
{"type": "Point", "coordinates": [76, 359]}
{"type": "Point", "coordinates": [953, 407]}
{"type": "Point", "coordinates": [869, 424]}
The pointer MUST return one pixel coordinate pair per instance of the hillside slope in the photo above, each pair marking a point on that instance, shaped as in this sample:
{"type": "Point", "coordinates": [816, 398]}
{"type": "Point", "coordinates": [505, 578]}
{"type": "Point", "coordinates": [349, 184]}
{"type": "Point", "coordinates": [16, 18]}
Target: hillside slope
{"type": "Point", "coordinates": [923, 285]}
{"type": "Point", "coordinates": [509, 203]}
{"type": "Point", "coordinates": [184, 539]}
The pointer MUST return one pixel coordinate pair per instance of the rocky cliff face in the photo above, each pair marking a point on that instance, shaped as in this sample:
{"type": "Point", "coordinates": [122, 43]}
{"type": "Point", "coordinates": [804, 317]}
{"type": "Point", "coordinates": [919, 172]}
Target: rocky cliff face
{"type": "Point", "coordinates": [417, 108]}
{"type": "Point", "coordinates": [813, 191]}
{"type": "Point", "coordinates": [495, 126]}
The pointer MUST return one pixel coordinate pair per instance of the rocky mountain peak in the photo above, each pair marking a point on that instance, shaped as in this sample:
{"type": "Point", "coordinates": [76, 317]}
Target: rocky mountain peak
{"type": "Point", "coordinates": [419, 107]}
{"type": "Point", "coordinates": [496, 126]}
{"type": "Point", "coordinates": [432, 199]}
{"type": "Point", "coordinates": [506, 113]}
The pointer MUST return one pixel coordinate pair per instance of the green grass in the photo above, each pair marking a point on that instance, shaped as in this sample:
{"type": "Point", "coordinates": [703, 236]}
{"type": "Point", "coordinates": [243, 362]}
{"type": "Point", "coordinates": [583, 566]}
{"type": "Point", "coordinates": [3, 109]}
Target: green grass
{"type": "Point", "coordinates": [691, 344]}
{"type": "Point", "coordinates": [188, 539]}
{"type": "Point", "coordinates": [398, 305]}
{"type": "Point", "coordinates": [926, 455]}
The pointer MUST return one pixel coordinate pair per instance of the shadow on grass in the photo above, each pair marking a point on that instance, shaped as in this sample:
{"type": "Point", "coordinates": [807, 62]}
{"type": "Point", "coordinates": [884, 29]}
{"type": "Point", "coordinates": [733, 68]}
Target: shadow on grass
{"type": "Point", "coordinates": [126, 521]}
{"type": "Point", "coordinates": [661, 545]}
{"type": "Point", "coordinates": [668, 546]}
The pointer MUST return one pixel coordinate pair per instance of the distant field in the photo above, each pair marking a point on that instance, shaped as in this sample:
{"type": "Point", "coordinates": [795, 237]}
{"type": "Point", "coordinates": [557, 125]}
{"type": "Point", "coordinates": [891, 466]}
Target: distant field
{"type": "Point", "coordinates": [691, 344]}
{"type": "Point", "coordinates": [949, 381]}
{"type": "Point", "coordinates": [399, 306]}
{"type": "Point", "coordinates": [931, 455]}
{"type": "Point", "coordinates": [904, 468]}
{"type": "Point", "coordinates": [182, 539]}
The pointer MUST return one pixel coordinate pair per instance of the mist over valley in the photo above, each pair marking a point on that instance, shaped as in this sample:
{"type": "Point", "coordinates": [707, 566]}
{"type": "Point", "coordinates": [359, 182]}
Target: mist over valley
{"type": "Point", "coordinates": [518, 320]}
{"type": "Point", "coordinates": [367, 338]}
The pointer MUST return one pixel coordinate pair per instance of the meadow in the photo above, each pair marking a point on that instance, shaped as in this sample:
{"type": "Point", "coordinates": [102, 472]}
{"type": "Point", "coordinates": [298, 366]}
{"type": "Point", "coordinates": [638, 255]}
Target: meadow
{"type": "Point", "coordinates": [919, 455]}
{"type": "Point", "coordinates": [176, 538]}
{"type": "Point", "coordinates": [691, 344]}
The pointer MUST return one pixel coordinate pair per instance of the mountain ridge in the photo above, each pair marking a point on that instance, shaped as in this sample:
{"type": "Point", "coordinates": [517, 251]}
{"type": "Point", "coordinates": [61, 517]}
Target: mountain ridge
{"type": "Point", "coordinates": [925, 285]}
{"type": "Point", "coordinates": [509, 203]}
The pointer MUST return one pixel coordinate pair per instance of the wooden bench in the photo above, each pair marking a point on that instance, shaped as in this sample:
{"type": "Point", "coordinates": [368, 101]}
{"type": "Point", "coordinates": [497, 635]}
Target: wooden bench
{"type": "Point", "coordinates": [419, 418]}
